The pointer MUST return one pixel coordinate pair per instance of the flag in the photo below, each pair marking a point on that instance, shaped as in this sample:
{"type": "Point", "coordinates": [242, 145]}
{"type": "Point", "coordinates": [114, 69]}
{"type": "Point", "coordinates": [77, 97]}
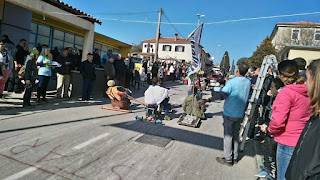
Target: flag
{"type": "Point", "coordinates": [195, 38]}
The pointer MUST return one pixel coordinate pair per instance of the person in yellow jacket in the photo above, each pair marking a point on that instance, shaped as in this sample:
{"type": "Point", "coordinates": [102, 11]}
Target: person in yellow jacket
{"type": "Point", "coordinates": [118, 98]}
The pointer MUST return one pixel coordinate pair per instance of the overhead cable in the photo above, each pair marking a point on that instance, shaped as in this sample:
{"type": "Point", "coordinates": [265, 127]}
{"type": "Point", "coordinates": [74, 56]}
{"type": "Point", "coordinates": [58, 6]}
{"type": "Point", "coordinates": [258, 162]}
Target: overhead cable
{"type": "Point", "coordinates": [182, 23]}
{"type": "Point", "coordinates": [172, 25]}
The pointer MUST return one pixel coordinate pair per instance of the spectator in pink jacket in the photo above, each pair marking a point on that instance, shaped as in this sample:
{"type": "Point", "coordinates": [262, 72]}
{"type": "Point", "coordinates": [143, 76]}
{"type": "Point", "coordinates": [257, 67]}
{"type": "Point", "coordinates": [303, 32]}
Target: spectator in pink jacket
{"type": "Point", "coordinates": [291, 111]}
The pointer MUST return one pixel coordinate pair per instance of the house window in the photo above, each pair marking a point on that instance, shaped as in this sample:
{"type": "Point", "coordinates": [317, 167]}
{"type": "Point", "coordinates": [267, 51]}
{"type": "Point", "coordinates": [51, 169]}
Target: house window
{"type": "Point", "coordinates": [179, 48]}
{"type": "Point", "coordinates": [166, 48]}
{"type": "Point", "coordinates": [151, 46]}
{"type": "Point", "coordinates": [317, 35]}
{"type": "Point", "coordinates": [145, 45]}
{"type": "Point", "coordinates": [295, 34]}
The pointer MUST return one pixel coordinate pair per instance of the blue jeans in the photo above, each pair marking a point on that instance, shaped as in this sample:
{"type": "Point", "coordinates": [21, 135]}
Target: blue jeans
{"type": "Point", "coordinates": [87, 89]}
{"type": "Point", "coordinates": [165, 106]}
{"type": "Point", "coordinates": [42, 86]}
{"type": "Point", "coordinates": [284, 154]}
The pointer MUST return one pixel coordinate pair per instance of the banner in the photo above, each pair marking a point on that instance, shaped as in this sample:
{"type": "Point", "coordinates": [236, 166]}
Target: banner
{"type": "Point", "coordinates": [195, 38]}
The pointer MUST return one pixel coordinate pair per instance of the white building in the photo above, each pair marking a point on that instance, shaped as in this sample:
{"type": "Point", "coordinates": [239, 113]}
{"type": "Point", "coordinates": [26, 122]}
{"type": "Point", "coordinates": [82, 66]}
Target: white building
{"type": "Point", "coordinates": [297, 39]}
{"type": "Point", "coordinates": [175, 49]}
{"type": "Point", "coordinates": [169, 48]}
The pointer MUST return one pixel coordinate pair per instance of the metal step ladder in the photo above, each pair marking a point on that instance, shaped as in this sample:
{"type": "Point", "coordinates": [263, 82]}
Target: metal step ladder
{"type": "Point", "coordinates": [268, 61]}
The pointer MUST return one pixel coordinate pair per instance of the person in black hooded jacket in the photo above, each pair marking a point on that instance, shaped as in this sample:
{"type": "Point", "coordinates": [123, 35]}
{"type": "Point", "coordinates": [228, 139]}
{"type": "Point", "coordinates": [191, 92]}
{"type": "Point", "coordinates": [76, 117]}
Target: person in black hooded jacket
{"type": "Point", "coordinates": [87, 69]}
{"type": "Point", "coordinates": [305, 161]}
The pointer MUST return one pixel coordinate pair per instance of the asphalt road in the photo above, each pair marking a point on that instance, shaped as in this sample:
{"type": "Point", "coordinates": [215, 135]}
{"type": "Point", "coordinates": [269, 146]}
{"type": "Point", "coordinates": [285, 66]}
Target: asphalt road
{"type": "Point", "coordinates": [79, 140]}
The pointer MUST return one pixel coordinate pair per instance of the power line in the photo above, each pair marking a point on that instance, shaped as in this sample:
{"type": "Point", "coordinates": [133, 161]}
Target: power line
{"type": "Point", "coordinates": [265, 17]}
{"type": "Point", "coordinates": [172, 24]}
{"type": "Point", "coordinates": [124, 13]}
{"type": "Point", "coordinates": [182, 23]}
{"type": "Point", "coordinates": [121, 20]}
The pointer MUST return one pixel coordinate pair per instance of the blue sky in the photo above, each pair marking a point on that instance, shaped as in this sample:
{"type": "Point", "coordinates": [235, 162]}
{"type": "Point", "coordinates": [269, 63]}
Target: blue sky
{"type": "Point", "coordinates": [238, 38]}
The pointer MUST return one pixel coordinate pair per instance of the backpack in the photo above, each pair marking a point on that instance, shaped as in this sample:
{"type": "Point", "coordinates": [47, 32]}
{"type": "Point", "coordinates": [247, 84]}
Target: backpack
{"type": "Point", "coordinates": [22, 70]}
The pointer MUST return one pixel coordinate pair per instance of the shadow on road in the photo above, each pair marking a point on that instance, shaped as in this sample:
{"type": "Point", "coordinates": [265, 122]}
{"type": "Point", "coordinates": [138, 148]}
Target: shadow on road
{"type": "Point", "coordinates": [173, 133]}
{"type": "Point", "coordinates": [181, 135]}
{"type": "Point", "coordinates": [64, 122]}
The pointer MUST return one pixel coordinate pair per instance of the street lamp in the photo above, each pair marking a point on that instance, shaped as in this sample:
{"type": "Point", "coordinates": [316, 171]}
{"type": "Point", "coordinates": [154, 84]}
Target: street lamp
{"type": "Point", "coordinates": [217, 51]}
{"type": "Point", "coordinates": [200, 16]}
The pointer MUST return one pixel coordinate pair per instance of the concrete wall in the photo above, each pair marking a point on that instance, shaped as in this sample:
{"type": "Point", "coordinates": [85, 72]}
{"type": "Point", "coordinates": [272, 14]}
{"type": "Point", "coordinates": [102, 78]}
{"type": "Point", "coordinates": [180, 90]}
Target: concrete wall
{"type": "Point", "coordinates": [16, 23]}
{"type": "Point", "coordinates": [186, 55]}
{"type": "Point", "coordinates": [308, 55]}
{"type": "Point", "coordinates": [76, 84]}
{"type": "Point", "coordinates": [283, 37]}
{"type": "Point", "coordinates": [99, 86]}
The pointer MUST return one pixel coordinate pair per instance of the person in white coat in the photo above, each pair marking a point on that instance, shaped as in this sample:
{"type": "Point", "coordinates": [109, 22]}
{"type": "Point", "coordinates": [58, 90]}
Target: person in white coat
{"type": "Point", "coordinates": [157, 95]}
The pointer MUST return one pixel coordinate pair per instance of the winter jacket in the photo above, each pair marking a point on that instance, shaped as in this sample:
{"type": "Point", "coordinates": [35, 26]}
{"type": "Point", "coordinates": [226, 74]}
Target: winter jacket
{"type": "Point", "coordinates": [10, 47]}
{"type": "Point", "coordinates": [88, 70]}
{"type": "Point", "coordinates": [120, 69]}
{"type": "Point", "coordinates": [64, 69]}
{"type": "Point", "coordinates": [154, 69]}
{"type": "Point", "coordinates": [305, 161]}
{"type": "Point", "coordinates": [145, 66]}
{"type": "Point", "coordinates": [264, 98]}
{"type": "Point", "coordinates": [6, 61]}
{"type": "Point", "coordinates": [96, 59]}
{"type": "Point", "coordinates": [291, 111]}
{"type": "Point", "coordinates": [198, 110]}
{"type": "Point", "coordinates": [160, 73]}
{"type": "Point", "coordinates": [20, 55]}
{"type": "Point", "coordinates": [31, 71]}
{"type": "Point", "coordinates": [109, 70]}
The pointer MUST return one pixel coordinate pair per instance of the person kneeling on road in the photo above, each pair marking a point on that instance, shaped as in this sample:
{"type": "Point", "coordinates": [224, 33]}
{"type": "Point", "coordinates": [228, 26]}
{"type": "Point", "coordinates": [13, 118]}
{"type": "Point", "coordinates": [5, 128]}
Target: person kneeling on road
{"type": "Point", "coordinates": [191, 105]}
{"type": "Point", "coordinates": [236, 93]}
{"type": "Point", "coordinates": [159, 96]}
{"type": "Point", "coordinates": [117, 95]}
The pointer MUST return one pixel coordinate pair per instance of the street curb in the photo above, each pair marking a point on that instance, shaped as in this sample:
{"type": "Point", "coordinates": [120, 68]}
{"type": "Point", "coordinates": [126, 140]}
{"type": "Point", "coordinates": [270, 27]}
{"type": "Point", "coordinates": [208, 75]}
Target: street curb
{"type": "Point", "coordinates": [51, 101]}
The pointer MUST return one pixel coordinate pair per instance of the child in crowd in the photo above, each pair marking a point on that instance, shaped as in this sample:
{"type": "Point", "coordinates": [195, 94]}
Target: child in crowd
{"type": "Point", "coordinates": [142, 77]}
{"type": "Point", "coordinates": [269, 146]}
{"type": "Point", "coordinates": [137, 78]}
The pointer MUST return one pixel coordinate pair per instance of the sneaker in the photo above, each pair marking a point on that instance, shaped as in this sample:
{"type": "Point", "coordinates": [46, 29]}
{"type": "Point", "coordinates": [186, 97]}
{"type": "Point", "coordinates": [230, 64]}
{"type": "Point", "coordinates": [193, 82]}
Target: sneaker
{"type": "Point", "coordinates": [167, 118]}
{"type": "Point", "coordinates": [235, 161]}
{"type": "Point", "coordinates": [262, 174]}
{"type": "Point", "coordinates": [222, 160]}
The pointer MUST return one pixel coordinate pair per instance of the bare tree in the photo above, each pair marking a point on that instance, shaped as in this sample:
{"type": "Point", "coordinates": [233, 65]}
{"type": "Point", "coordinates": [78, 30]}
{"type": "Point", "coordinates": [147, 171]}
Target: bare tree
{"type": "Point", "coordinates": [137, 48]}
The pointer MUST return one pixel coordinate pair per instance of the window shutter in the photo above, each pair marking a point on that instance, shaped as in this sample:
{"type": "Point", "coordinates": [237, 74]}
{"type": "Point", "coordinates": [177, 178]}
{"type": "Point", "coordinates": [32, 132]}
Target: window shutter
{"type": "Point", "coordinates": [182, 48]}
{"type": "Point", "coordinates": [163, 47]}
{"type": "Point", "coordinates": [170, 48]}
{"type": "Point", "coordinates": [176, 48]}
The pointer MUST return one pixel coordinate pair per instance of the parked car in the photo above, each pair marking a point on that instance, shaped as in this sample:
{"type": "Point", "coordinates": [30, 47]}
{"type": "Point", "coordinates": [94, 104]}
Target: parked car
{"type": "Point", "coordinates": [211, 81]}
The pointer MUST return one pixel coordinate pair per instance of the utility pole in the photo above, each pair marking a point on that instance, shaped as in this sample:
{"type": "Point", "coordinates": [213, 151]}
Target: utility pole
{"type": "Point", "coordinates": [158, 36]}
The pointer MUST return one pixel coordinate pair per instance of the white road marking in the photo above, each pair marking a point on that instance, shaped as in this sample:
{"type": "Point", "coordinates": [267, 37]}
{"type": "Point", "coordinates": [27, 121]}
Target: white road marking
{"type": "Point", "coordinates": [82, 145]}
{"type": "Point", "coordinates": [21, 173]}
